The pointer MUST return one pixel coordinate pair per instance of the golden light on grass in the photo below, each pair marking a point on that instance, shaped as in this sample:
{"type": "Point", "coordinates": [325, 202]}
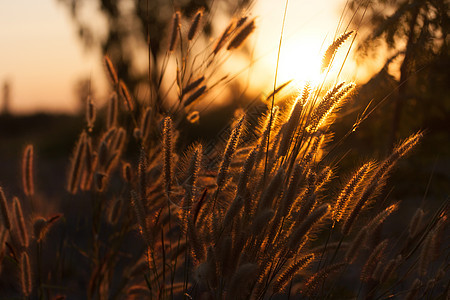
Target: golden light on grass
{"type": "Point", "coordinates": [247, 214]}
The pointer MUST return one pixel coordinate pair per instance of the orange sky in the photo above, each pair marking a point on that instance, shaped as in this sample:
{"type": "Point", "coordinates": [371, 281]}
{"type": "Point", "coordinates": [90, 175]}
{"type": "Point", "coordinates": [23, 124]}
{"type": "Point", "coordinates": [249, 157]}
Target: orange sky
{"type": "Point", "coordinates": [41, 56]}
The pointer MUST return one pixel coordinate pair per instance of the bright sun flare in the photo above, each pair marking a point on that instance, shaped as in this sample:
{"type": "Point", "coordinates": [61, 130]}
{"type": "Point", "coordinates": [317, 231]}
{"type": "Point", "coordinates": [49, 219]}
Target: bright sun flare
{"type": "Point", "coordinates": [300, 63]}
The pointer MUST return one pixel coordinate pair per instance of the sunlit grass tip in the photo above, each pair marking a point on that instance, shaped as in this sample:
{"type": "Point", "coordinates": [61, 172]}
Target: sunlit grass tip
{"type": "Point", "coordinates": [27, 171]}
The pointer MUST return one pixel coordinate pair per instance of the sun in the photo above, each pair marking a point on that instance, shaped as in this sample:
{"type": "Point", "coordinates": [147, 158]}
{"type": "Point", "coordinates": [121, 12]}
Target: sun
{"type": "Point", "coordinates": [300, 61]}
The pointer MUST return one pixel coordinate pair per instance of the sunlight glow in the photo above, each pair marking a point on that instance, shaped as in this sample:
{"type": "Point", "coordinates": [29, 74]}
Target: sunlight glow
{"type": "Point", "coordinates": [300, 63]}
{"type": "Point", "coordinates": [42, 56]}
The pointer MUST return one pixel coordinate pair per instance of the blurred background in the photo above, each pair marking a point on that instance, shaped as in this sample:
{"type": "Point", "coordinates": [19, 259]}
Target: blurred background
{"type": "Point", "coordinates": [51, 59]}
{"type": "Point", "coordinates": [49, 49]}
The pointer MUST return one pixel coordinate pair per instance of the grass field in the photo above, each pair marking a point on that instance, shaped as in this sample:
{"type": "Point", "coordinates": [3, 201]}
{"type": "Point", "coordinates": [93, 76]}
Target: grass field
{"type": "Point", "coordinates": [141, 200]}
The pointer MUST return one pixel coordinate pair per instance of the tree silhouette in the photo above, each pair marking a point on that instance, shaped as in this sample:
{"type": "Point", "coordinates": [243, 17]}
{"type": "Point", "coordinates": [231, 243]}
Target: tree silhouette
{"type": "Point", "coordinates": [416, 33]}
{"type": "Point", "coordinates": [132, 26]}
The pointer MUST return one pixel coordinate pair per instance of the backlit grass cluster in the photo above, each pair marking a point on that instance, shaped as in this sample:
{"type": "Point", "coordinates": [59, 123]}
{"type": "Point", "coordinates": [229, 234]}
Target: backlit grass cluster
{"type": "Point", "coordinates": [263, 212]}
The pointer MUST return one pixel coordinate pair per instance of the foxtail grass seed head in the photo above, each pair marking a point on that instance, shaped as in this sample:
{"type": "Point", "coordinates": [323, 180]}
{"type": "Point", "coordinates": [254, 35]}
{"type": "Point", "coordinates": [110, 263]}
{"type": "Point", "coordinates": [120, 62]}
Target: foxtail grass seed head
{"type": "Point", "coordinates": [27, 171]}
{"type": "Point", "coordinates": [309, 200]}
{"type": "Point", "coordinates": [195, 95]}
{"type": "Point", "coordinates": [118, 141]}
{"type": "Point", "coordinates": [346, 195]}
{"type": "Point", "coordinates": [344, 90]}
{"type": "Point", "coordinates": [324, 111]}
{"type": "Point", "coordinates": [314, 149]}
{"type": "Point", "coordinates": [139, 210]}
{"type": "Point", "coordinates": [241, 21]}
{"type": "Point", "coordinates": [39, 228]}
{"type": "Point", "coordinates": [194, 213]}
{"type": "Point", "coordinates": [112, 162]}
{"type": "Point", "coordinates": [291, 126]}
{"type": "Point", "coordinates": [272, 191]}
{"type": "Point", "coordinates": [4, 234]}
{"type": "Point", "coordinates": [329, 54]}
{"type": "Point", "coordinates": [111, 117]}
{"type": "Point", "coordinates": [126, 173]}
{"type": "Point", "coordinates": [269, 124]}
{"type": "Point", "coordinates": [193, 85]}
{"type": "Point", "coordinates": [332, 91]}
{"type": "Point", "coordinates": [126, 97]}
{"type": "Point", "coordinates": [228, 154]}
{"type": "Point", "coordinates": [242, 35]}
{"type": "Point", "coordinates": [142, 174]}
{"type": "Point", "coordinates": [355, 246]}
{"type": "Point", "coordinates": [381, 217]}
{"type": "Point", "coordinates": [314, 281]}
{"type": "Point", "coordinates": [168, 154]}
{"type": "Point", "coordinates": [373, 260]}
{"type": "Point", "coordinates": [5, 210]}
{"type": "Point", "coordinates": [191, 179]}
{"type": "Point", "coordinates": [195, 24]}
{"type": "Point", "coordinates": [323, 177]}
{"type": "Point", "coordinates": [111, 71]}
{"type": "Point", "coordinates": [302, 231]}
{"type": "Point", "coordinates": [146, 121]}
{"type": "Point", "coordinates": [245, 172]}
{"type": "Point", "coordinates": [195, 242]}
{"type": "Point", "coordinates": [398, 153]}
{"type": "Point", "coordinates": [175, 31]}
{"type": "Point", "coordinates": [22, 230]}
{"type": "Point", "coordinates": [232, 212]}
{"type": "Point", "coordinates": [425, 255]}
{"type": "Point", "coordinates": [291, 271]}
{"type": "Point", "coordinates": [320, 110]}
{"type": "Point", "coordinates": [25, 275]}
{"type": "Point", "coordinates": [76, 167]}
{"type": "Point", "coordinates": [438, 236]}
{"type": "Point", "coordinates": [109, 135]}
{"type": "Point", "coordinates": [90, 163]}
{"type": "Point", "coordinates": [388, 269]}
{"type": "Point", "coordinates": [292, 190]}
{"type": "Point", "coordinates": [378, 178]}
{"type": "Point", "coordinates": [194, 166]}
{"type": "Point", "coordinates": [414, 290]}
{"type": "Point", "coordinates": [278, 89]}
{"type": "Point", "coordinates": [224, 37]}
{"type": "Point", "coordinates": [365, 196]}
